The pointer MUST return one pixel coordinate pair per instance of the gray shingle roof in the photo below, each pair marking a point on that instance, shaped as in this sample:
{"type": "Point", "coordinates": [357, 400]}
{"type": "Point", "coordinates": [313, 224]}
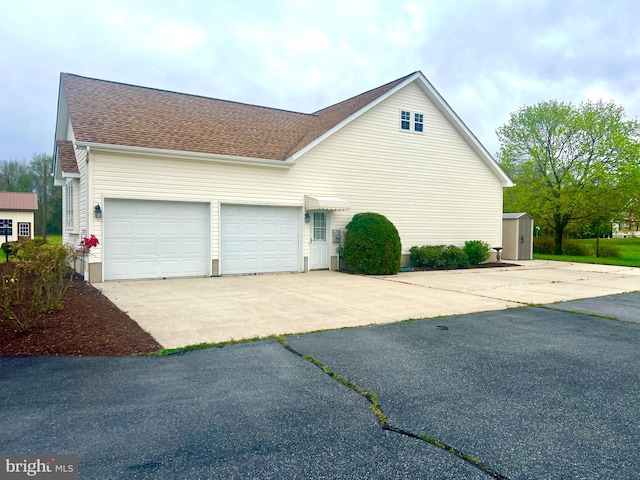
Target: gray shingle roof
{"type": "Point", "coordinates": [119, 114]}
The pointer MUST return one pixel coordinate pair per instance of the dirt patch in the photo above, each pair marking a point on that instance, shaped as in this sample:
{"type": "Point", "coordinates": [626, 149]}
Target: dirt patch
{"type": "Point", "coordinates": [88, 324]}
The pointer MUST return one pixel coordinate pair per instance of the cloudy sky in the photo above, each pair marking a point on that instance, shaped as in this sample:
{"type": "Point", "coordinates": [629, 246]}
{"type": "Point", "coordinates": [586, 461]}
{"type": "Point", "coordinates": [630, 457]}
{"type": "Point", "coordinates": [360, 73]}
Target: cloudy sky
{"type": "Point", "coordinates": [486, 58]}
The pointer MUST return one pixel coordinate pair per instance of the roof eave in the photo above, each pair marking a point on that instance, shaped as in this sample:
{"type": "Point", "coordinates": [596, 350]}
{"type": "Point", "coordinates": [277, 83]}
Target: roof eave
{"type": "Point", "coordinates": [210, 157]}
{"type": "Point", "coordinates": [463, 130]}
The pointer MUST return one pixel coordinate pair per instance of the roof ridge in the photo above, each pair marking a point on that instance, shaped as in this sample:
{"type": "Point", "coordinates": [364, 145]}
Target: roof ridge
{"type": "Point", "coordinates": [379, 87]}
{"type": "Point", "coordinates": [173, 92]}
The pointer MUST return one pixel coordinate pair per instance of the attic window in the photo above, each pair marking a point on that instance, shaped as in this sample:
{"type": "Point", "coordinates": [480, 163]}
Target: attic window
{"type": "Point", "coordinates": [418, 123]}
{"type": "Point", "coordinates": [411, 121]}
{"type": "Point", "coordinates": [405, 120]}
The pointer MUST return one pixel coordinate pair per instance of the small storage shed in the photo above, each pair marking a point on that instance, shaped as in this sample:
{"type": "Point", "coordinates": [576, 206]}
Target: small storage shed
{"type": "Point", "coordinates": [16, 215]}
{"type": "Point", "coordinates": [517, 236]}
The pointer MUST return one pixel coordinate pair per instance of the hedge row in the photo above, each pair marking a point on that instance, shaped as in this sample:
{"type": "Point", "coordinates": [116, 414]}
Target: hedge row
{"type": "Point", "coordinates": [450, 256]}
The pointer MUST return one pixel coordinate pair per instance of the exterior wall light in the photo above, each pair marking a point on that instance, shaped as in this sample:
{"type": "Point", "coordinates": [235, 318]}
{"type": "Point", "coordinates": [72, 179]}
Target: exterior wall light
{"type": "Point", "coordinates": [97, 211]}
{"type": "Point", "coordinates": [307, 217]}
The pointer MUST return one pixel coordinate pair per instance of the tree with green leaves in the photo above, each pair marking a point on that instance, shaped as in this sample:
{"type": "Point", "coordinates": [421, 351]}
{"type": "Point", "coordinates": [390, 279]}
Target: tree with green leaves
{"type": "Point", "coordinates": [571, 163]}
{"type": "Point", "coordinates": [14, 176]}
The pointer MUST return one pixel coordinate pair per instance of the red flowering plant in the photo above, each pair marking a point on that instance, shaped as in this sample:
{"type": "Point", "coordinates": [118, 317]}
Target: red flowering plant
{"type": "Point", "coordinates": [91, 241]}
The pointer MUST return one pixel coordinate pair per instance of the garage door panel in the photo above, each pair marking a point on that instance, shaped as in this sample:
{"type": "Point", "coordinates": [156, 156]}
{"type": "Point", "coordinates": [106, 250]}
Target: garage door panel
{"type": "Point", "coordinates": [256, 239]}
{"type": "Point", "coordinates": [145, 227]}
{"type": "Point", "coordinates": [155, 239]}
{"type": "Point", "coordinates": [170, 227]}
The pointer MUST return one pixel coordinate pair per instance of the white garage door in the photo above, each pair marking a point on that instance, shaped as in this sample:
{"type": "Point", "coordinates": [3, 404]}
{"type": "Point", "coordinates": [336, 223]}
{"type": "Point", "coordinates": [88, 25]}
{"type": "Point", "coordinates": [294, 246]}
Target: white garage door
{"type": "Point", "coordinates": [153, 239]}
{"type": "Point", "coordinates": [259, 239]}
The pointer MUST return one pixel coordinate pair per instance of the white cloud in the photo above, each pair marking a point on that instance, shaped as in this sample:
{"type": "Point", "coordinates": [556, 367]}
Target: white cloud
{"type": "Point", "coordinates": [486, 58]}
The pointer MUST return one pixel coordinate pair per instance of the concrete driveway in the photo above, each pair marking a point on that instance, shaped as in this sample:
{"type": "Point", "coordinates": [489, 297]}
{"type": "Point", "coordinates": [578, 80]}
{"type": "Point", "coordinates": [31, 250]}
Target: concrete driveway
{"type": "Point", "coordinates": [179, 312]}
{"type": "Point", "coordinates": [519, 393]}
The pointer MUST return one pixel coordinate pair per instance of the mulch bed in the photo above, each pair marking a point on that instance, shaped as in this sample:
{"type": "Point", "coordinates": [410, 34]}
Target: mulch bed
{"type": "Point", "coordinates": [88, 324]}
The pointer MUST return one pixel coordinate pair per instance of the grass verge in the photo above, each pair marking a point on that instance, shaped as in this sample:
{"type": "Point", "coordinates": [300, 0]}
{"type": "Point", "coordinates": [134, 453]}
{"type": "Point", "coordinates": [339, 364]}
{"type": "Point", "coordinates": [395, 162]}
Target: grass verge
{"type": "Point", "coordinates": [629, 253]}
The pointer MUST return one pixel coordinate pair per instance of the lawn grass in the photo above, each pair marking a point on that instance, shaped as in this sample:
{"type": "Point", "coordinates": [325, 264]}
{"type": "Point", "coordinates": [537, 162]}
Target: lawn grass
{"type": "Point", "coordinates": [53, 239]}
{"type": "Point", "coordinates": [629, 253]}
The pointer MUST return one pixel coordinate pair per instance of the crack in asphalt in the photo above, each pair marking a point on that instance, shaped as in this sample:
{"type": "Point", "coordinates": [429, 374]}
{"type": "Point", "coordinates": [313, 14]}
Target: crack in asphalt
{"type": "Point", "coordinates": [383, 419]}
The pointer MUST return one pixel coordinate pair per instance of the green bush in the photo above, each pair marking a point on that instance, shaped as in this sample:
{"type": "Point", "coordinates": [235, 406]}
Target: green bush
{"type": "Point", "coordinates": [428, 256]}
{"type": "Point", "coordinates": [455, 257]}
{"type": "Point", "coordinates": [574, 248]}
{"type": "Point", "coordinates": [371, 245]}
{"type": "Point", "coordinates": [545, 245]}
{"type": "Point", "coordinates": [608, 250]}
{"type": "Point", "coordinates": [36, 283]}
{"type": "Point", "coordinates": [477, 251]}
{"type": "Point", "coordinates": [439, 256]}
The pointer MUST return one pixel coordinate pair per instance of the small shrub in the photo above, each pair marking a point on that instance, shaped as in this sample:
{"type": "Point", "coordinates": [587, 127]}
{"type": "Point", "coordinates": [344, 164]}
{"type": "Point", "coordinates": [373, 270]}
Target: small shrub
{"type": "Point", "coordinates": [609, 250]}
{"type": "Point", "coordinates": [574, 248]}
{"type": "Point", "coordinates": [428, 256]}
{"type": "Point", "coordinates": [371, 245]}
{"type": "Point", "coordinates": [37, 283]}
{"type": "Point", "coordinates": [455, 257]}
{"type": "Point", "coordinates": [439, 256]}
{"type": "Point", "coordinates": [6, 249]}
{"type": "Point", "coordinates": [544, 245]}
{"type": "Point", "coordinates": [20, 302]}
{"type": "Point", "coordinates": [477, 251]}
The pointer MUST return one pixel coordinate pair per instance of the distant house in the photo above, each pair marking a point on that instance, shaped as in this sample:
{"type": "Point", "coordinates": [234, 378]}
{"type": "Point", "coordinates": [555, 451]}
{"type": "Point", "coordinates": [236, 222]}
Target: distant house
{"type": "Point", "coordinates": [16, 215]}
{"type": "Point", "coordinates": [181, 185]}
{"type": "Point", "coordinates": [628, 224]}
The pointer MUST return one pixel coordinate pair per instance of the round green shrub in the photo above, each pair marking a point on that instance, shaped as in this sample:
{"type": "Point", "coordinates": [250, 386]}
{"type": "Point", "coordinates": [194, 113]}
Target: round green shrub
{"type": "Point", "coordinates": [477, 251]}
{"type": "Point", "coordinates": [371, 245]}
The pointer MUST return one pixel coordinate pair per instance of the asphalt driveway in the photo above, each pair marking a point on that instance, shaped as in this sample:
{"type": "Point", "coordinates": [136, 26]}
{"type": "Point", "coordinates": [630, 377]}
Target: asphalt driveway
{"type": "Point", "coordinates": [179, 312]}
{"type": "Point", "coordinates": [527, 392]}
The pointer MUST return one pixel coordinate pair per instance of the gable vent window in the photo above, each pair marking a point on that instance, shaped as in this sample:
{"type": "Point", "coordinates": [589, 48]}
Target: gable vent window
{"type": "Point", "coordinates": [411, 121]}
{"type": "Point", "coordinates": [405, 120]}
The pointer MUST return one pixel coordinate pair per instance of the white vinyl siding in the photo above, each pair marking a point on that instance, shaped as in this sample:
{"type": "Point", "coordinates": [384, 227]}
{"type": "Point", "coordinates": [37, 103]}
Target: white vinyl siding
{"type": "Point", "coordinates": [15, 218]}
{"type": "Point", "coordinates": [433, 186]}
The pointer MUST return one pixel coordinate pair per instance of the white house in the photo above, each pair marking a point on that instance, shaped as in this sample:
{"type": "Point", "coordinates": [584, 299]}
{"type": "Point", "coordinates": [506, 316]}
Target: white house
{"type": "Point", "coordinates": [181, 185]}
{"type": "Point", "coordinates": [16, 215]}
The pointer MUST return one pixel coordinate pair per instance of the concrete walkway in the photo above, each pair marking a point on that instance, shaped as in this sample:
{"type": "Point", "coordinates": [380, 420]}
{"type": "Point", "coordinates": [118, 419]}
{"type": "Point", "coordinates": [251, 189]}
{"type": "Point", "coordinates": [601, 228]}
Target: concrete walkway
{"type": "Point", "coordinates": [179, 312]}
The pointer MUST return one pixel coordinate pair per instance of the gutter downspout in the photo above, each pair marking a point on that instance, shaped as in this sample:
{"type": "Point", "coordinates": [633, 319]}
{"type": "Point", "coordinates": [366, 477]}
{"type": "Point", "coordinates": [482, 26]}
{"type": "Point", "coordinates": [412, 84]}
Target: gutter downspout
{"type": "Point", "coordinates": [89, 218]}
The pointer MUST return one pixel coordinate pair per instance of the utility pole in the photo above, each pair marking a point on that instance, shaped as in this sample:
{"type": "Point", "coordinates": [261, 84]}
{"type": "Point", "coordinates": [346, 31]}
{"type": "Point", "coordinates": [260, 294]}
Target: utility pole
{"type": "Point", "coordinates": [44, 201]}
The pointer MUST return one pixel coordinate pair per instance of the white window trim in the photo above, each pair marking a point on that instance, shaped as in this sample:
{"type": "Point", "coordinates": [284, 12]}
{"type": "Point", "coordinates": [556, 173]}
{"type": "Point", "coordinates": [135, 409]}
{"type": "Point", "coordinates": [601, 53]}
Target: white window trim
{"type": "Point", "coordinates": [21, 227]}
{"type": "Point", "coordinates": [412, 121]}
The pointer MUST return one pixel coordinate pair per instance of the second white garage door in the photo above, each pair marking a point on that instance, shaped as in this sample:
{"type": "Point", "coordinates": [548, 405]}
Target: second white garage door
{"type": "Point", "coordinates": [259, 239]}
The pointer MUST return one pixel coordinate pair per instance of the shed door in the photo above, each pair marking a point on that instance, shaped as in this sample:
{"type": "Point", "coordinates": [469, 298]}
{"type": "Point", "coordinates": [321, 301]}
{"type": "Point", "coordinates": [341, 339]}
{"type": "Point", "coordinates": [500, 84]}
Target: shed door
{"type": "Point", "coordinates": [155, 239]}
{"type": "Point", "coordinates": [259, 239]}
{"type": "Point", "coordinates": [524, 246]}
